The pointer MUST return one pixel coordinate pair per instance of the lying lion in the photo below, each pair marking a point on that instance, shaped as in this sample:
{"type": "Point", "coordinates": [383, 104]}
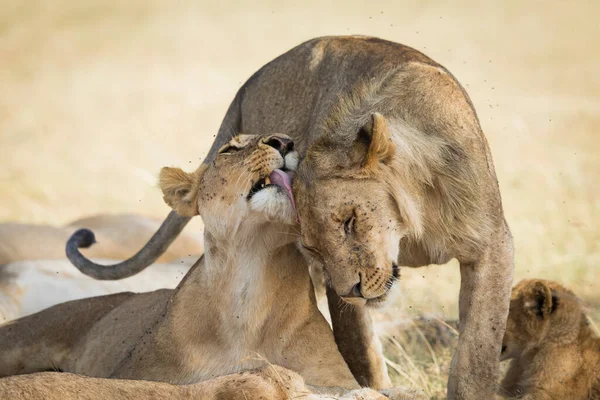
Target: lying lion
{"type": "Point", "coordinates": [267, 383]}
{"type": "Point", "coordinates": [119, 236]}
{"type": "Point", "coordinates": [250, 294]}
{"type": "Point", "coordinates": [555, 352]}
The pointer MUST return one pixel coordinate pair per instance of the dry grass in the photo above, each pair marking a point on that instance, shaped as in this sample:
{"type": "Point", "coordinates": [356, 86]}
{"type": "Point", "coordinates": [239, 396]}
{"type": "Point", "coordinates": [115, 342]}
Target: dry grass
{"type": "Point", "coordinates": [96, 96]}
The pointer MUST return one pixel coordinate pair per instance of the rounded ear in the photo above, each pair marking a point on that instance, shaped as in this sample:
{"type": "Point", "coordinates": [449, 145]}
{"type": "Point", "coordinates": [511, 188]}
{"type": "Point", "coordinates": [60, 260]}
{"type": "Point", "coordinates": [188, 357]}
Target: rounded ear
{"type": "Point", "coordinates": [180, 189]}
{"type": "Point", "coordinates": [539, 301]}
{"type": "Point", "coordinates": [376, 135]}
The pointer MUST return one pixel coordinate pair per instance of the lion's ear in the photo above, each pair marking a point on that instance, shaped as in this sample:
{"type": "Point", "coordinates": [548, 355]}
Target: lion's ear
{"type": "Point", "coordinates": [180, 189]}
{"type": "Point", "coordinates": [376, 135]}
{"type": "Point", "coordinates": [539, 301]}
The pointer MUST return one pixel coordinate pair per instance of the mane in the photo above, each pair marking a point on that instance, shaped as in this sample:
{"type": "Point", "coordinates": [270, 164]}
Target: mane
{"type": "Point", "coordinates": [426, 159]}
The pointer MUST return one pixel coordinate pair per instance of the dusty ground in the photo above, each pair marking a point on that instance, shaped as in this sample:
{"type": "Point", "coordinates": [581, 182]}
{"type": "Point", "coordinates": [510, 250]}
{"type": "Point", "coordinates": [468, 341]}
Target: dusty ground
{"type": "Point", "coordinates": [96, 96]}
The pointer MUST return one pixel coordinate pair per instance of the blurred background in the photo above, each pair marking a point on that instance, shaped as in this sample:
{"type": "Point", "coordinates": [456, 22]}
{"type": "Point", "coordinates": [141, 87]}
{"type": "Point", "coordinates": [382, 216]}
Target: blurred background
{"type": "Point", "coordinates": [97, 95]}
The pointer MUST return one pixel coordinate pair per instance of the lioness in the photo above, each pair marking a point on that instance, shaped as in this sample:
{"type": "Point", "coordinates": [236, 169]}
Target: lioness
{"type": "Point", "coordinates": [555, 352]}
{"type": "Point", "coordinates": [394, 169]}
{"type": "Point", "coordinates": [118, 235]}
{"type": "Point", "coordinates": [250, 294]}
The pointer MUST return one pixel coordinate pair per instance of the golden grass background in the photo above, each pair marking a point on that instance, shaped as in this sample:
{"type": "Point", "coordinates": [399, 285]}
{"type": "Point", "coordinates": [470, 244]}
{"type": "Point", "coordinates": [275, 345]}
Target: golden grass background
{"type": "Point", "coordinates": [96, 96]}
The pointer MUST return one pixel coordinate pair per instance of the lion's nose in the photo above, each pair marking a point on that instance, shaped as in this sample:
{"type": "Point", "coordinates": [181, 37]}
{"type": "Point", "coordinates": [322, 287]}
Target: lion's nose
{"type": "Point", "coordinates": [355, 291]}
{"type": "Point", "coordinates": [281, 143]}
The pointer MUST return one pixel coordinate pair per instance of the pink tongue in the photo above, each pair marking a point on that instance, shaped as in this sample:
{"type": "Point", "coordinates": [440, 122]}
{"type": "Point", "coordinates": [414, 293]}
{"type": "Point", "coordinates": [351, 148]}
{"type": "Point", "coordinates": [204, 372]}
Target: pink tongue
{"type": "Point", "coordinates": [283, 180]}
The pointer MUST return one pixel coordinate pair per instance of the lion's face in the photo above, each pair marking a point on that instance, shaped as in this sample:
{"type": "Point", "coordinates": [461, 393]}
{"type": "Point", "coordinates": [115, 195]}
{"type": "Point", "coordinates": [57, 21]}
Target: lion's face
{"type": "Point", "coordinates": [540, 311]}
{"type": "Point", "coordinates": [249, 180]}
{"type": "Point", "coordinates": [351, 227]}
{"type": "Point", "coordinates": [350, 219]}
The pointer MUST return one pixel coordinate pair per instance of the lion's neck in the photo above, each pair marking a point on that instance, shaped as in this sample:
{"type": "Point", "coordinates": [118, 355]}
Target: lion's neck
{"type": "Point", "coordinates": [235, 292]}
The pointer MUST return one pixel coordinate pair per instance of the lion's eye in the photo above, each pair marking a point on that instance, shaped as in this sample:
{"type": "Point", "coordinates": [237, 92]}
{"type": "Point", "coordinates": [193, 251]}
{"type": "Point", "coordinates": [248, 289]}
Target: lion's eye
{"type": "Point", "coordinates": [229, 149]}
{"type": "Point", "coordinates": [349, 225]}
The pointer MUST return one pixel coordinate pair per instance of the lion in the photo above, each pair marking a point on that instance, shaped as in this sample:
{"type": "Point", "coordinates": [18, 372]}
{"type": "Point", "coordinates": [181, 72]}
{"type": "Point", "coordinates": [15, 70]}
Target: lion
{"type": "Point", "coordinates": [247, 300]}
{"type": "Point", "coordinates": [118, 235]}
{"type": "Point", "coordinates": [27, 287]}
{"type": "Point", "coordinates": [271, 382]}
{"type": "Point", "coordinates": [554, 352]}
{"type": "Point", "coordinates": [394, 171]}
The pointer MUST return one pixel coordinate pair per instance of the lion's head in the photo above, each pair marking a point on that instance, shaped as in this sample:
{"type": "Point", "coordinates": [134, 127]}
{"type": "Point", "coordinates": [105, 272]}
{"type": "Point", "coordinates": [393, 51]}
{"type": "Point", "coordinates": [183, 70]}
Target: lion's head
{"type": "Point", "coordinates": [541, 312]}
{"type": "Point", "coordinates": [249, 181]}
{"type": "Point", "coordinates": [352, 214]}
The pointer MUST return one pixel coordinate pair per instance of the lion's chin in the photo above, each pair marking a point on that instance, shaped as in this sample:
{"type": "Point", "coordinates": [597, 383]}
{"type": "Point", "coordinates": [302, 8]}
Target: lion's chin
{"type": "Point", "coordinates": [274, 204]}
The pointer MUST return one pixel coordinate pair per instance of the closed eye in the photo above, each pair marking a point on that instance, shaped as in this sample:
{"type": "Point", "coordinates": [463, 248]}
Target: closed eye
{"type": "Point", "coordinates": [229, 149]}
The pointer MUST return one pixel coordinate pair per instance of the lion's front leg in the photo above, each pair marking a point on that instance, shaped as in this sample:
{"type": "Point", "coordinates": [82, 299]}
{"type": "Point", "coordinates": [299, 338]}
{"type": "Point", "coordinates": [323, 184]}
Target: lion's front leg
{"type": "Point", "coordinates": [484, 299]}
{"type": "Point", "coordinates": [356, 340]}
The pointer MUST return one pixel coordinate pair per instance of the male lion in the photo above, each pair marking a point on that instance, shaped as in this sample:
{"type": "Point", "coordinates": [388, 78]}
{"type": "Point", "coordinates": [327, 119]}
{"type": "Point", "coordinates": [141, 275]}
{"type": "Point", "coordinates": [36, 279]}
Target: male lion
{"type": "Point", "coordinates": [394, 169]}
{"type": "Point", "coordinates": [249, 295]}
{"type": "Point", "coordinates": [555, 352]}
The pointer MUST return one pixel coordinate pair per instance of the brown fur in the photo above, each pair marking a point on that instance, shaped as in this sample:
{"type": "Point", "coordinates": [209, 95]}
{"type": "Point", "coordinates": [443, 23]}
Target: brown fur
{"type": "Point", "coordinates": [249, 299]}
{"type": "Point", "coordinates": [118, 236]}
{"type": "Point", "coordinates": [267, 383]}
{"type": "Point", "coordinates": [555, 352]}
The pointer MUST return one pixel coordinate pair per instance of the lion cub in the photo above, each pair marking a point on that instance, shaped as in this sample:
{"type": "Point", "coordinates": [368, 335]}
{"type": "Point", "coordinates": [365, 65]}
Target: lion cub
{"type": "Point", "coordinates": [555, 353]}
{"type": "Point", "coordinates": [249, 299]}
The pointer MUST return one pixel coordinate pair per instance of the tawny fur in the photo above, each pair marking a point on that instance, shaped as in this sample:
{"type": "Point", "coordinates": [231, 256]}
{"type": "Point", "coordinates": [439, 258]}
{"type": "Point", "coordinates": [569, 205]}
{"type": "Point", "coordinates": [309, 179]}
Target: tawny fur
{"type": "Point", "coordinates": [119, 236]}
{"type": "Point", "coordinates": [249, 299]}
{"type": "Point", "coordinates": [555, 352]}
{"type": "Point", "coordinates": [267, 383]}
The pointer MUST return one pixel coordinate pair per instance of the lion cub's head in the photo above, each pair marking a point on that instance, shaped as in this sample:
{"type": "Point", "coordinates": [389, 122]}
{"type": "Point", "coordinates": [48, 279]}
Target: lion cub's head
{"type": "Point", "coordinates": [541, 312]}
{"type": "Point", "coordinates": [249, 181]}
